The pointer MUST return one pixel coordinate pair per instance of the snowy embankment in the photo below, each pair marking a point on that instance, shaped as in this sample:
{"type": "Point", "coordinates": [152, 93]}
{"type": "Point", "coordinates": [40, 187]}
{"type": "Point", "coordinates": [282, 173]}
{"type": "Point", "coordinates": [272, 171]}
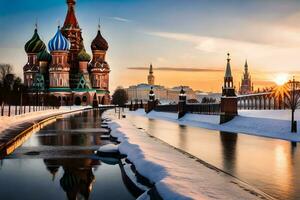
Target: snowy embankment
{"type": "Point", "coordinates": [14, 121]}
{"type": "Point", "coordinates": [175, 175]}
{"type": "Point", "coordinates": [266, 123]}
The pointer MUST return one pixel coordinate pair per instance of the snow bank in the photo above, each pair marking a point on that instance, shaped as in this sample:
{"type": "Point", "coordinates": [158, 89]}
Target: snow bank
{"type": "Point", "coordinates": [266, 123]}
{"type": "Point", "coordinates": [175, 175]}
{"type": "Point", "coordinates": [270, 114]}
{"type": "Point", "coordinates": [14, 121]}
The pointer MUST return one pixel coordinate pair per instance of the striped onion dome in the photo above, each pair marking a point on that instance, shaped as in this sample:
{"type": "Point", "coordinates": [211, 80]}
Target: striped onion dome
{"type": "Point", "coordinates": [44, 56]}
{"type": "Point", "coordinates": [35, 44]}
{"type": "Point", "coordinates": [59, 42]}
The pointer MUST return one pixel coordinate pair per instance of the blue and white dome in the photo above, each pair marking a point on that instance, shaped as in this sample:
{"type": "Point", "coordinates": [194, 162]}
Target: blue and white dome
{"type": "Point", "coordinates": [59, 42]}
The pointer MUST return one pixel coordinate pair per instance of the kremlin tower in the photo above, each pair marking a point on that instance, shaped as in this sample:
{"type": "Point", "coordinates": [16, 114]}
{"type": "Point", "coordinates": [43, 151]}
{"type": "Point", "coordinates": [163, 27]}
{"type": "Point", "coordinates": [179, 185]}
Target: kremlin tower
{"type": "Point", "coordinates": [246, 86]}
{"type": "Point", "coordinates": [228, 89]}
{"type": "Point", "coordinates": [68, 72]}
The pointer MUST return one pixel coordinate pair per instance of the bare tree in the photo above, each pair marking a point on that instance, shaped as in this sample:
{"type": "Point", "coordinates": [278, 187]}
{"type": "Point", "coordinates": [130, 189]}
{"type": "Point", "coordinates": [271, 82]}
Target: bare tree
{"type": "Point", "coordinates": [5, 69]}
{"type": "Point", "coordinates": [291, 92]}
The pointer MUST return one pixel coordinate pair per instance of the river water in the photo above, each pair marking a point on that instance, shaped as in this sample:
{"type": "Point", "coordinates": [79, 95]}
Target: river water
{"type": "Point", "coordinates": [58, 163]}
{"type": "Point", "coordinates": [270, 165]}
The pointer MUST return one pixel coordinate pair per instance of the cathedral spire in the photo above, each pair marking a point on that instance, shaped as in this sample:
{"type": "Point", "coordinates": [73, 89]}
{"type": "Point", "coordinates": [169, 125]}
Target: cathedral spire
{"type": "Point", "coordinates": [99, 26]}
{"type": "Point", "coordinates": [151, 69]}
{"type": "Point", "coordinates": [71, 21]}
{"type": "Point", "coordinates": [228, 68]}
{"type": "Point", "coordinates": [246, 84]}
{"type": "Point", "coordinates": [246, 69]}
{"type": "Point", "coordinates": [36, 24]}
{"type": "Point", "coordinates": [228, 88]}
{"type": "Point", "coordinates": [150, 75]}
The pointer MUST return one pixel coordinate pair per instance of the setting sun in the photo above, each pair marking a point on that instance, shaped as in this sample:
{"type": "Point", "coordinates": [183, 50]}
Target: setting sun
{"type": "Point", "coordinates": [281, 79]}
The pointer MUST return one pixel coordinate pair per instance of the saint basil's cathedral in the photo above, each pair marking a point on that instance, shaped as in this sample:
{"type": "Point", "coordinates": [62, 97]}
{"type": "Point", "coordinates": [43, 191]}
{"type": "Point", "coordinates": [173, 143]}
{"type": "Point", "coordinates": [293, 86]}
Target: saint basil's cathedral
{"type": "Point", "coordinates": [68, 72]}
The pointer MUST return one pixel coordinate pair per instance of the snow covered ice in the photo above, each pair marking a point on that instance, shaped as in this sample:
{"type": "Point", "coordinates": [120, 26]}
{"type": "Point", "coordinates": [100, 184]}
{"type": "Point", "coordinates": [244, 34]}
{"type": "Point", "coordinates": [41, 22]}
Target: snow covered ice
{"type": "Point", "coordinates": [175, 174]}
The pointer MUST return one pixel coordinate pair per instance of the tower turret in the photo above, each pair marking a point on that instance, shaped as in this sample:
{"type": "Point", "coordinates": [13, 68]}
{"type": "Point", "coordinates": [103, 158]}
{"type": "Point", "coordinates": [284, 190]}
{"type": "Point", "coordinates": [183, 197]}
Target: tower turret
{"type": "Point", "coordinates": [99, 68]}
{"type": "Point", "coordinates": [83, 58]}
{"type": "Point", "coordinates": [228, 88]}
{"type": "Point", "coordinates": [246, 85]}
{"type": "Point", "coordinates": [72, 32]}
{"type": "Point", "coordinates": [44, 58]}
{"type": "Point", "coordinates": [32, 48]}
{"type": "Point", "coordinates": [228, 99]}
{"type": "Point", "coordinates": [59, 67]}
{"type": "Point", "coordinates": [182, 103]}
{"type": "Point", "coordinates": [151, 76]}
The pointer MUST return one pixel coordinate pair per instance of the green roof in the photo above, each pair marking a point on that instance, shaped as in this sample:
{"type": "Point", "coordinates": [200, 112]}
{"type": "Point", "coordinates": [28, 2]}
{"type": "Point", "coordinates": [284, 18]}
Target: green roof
{"type": "Point", "coordinates": [83, 90]}
{"type": "Point", "coordinates": [100, 91]}
{"type": "Point", "coordinates": [59, 90]}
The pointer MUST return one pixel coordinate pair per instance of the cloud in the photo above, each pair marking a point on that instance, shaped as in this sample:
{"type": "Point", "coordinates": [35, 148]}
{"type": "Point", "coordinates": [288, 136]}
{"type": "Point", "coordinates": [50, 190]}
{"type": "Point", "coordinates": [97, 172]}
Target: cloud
{"type": "Point", "coordinates": [121, 19]}
{"type": "Point", "coordinates": [213, 44]}
{"type": "Point", "coordinates": [268, 56]}
{"type": "Point", "coordinates": [185, 69]}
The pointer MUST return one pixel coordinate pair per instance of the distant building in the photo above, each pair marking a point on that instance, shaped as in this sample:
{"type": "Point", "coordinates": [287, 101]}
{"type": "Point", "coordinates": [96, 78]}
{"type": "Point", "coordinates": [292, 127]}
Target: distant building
{"type": "Point", "coordinates": [165, 95]}
{"type": "Point", "coordinates": [246, 86]}
{"type": "Point", "coordinates": [151, 76]}
{"type": "Point", "coordinates": [68, 72]}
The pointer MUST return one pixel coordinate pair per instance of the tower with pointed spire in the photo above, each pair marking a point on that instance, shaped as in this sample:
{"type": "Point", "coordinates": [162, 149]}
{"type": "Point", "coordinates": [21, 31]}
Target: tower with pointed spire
{"type": "Point", "coordinates": [246, 86]}
{"type": "Point", "coordinates": [72, 32]}
{"type": "Point", "coordinates": [228, 89]}
{"type": "Point", "coordinates": [150, 75]}
{"type": "Point", "coordinates": [229, 98]}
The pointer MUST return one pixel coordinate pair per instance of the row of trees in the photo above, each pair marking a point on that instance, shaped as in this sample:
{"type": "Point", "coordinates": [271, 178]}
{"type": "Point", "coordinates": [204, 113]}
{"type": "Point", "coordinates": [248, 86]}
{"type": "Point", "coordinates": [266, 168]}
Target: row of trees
{"type": "Point", "coordinates": [10, 84]}
{"type": "Point", "coordinates": [13, 91]}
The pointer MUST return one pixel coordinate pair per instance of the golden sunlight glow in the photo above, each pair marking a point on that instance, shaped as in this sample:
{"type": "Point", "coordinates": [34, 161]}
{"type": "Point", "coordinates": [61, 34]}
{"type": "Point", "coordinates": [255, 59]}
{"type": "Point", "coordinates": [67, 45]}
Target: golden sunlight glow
{"type": "Point", "coordinates": [281, 79]}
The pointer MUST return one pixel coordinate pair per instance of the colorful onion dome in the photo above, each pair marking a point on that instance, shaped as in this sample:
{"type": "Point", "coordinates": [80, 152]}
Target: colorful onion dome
{"type": "Point", "coordinates": [44, 56]}
{"type": "Point", "coordinates": [35, 44]}
{"type": "Point", "coordinates": [83, 55]}
{"type": "Point", "coordinates": [99, 43]}
{"type": "Point", "coordinates": [58, 42]}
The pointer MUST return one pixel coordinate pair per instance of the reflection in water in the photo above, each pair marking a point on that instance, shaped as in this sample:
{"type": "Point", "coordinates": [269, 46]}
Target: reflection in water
{"type": "Point", "coordinates": [69, 160]}
{"type": "Point", "coordinates": [182, 136]}
{"type": "Point", "coordinates": [229, 141]}
{"type": "Point", "coordinates": [52, 166]}
{"type": "Point", "coordinates": [77, 178]}
{"type": "Point", "coordinates": [78, 175]}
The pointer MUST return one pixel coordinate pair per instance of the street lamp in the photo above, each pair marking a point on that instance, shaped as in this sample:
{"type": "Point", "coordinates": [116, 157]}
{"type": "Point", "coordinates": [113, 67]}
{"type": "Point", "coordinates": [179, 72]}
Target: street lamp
{"type": "Point", "coordinates": [21, 99]}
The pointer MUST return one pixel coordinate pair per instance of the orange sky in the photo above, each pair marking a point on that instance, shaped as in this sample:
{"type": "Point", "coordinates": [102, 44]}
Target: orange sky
{"type": "Point", "coordinates": [205, 81]}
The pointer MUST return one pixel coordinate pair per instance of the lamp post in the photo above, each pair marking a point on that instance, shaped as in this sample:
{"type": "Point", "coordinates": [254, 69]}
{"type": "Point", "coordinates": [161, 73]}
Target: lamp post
{"type": "Point", "coordinates": [21, 99]}
{"type": "Point", "coordinates": [36, 97]}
